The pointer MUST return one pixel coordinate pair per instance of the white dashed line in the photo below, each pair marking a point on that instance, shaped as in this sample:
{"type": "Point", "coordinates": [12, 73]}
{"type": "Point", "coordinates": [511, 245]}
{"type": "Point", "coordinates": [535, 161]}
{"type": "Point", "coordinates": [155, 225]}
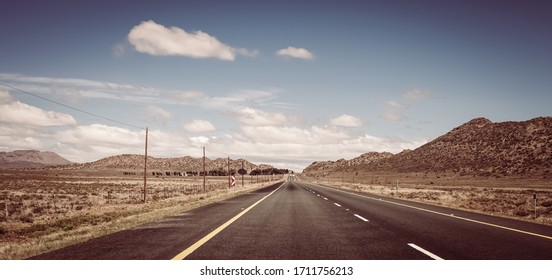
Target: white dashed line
{"type": "Point", "coordinates": [337, 205]}
{"type": "Point", "coordinates": [325, 198]}
{"type": "Point", "coordinates": [360, 217]}
{"type": "Point", "coordinates": [426, 252]}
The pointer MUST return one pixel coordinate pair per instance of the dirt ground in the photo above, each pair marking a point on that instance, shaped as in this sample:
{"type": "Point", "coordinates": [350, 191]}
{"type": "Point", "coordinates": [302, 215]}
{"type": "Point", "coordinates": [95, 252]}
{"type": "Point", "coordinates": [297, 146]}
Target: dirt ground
{"type": "Point", "coordinates": [511, 197]}
{"type": "Point", "coordinates": [45, 210]}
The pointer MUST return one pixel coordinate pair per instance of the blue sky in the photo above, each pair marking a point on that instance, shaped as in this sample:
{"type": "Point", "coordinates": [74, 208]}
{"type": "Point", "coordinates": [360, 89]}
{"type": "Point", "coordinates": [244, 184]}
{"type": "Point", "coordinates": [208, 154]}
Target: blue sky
{"type": "Point", "coordinates": [281, 82]}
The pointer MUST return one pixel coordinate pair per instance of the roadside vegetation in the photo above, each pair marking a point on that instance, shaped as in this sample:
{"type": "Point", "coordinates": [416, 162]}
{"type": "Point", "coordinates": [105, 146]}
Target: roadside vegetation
{"type": "Point", "coordinates": [42, 211]}
{"type": "Point", "coordinates": [507, 197]}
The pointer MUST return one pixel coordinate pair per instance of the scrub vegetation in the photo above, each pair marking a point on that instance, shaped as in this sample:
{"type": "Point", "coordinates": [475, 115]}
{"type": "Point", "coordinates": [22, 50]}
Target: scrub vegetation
{"type": "Point", "coordinates": [46, 210]}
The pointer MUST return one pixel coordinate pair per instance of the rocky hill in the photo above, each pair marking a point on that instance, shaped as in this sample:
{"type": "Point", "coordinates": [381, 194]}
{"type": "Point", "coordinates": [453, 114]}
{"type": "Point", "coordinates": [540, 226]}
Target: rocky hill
{"type": "Point", "coordinates": [371, 158]}
{"type": "Point", "coordinates": [181, 164]}
{"type": "Point", "coordinates": [476, 148]}
{"type": "Point", "coordinates": [30, 159]}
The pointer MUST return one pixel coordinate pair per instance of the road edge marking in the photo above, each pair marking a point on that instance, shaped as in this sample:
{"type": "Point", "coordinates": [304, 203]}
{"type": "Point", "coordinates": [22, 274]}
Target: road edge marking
{"type": "Point", "coordinates": [446, 215]}
{"type": "Point", "coordinates": [182, 255]}
{"type": "Point", "coordinates": [426, 252]}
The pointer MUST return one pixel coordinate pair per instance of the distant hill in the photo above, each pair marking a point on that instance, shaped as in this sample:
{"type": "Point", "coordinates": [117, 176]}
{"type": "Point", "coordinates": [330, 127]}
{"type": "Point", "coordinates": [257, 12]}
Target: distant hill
{"type": "Point", "coordinates": [476, 148]}
{"type": "Point", "coordinates": [21, 159]}
{"type": "Point", "coordinates": [371, 158]}
{"type": "Point", "coordinates": [181, 164]}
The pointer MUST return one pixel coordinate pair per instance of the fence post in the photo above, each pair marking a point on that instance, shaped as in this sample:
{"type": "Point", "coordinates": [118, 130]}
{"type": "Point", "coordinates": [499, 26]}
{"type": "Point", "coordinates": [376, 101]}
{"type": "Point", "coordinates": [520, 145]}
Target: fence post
{"type": "Point", "coordinates": [204, 169]}
{"type": "Point", "coordinates": [535, 203]}
{"type": "Point", "coordinates": [145, 165]}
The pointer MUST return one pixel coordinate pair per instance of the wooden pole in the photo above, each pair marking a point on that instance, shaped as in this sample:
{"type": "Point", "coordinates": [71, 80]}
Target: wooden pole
{"type": "Point", "coordinates": [242, 174]}
{"type": "Point", "coordinates": [204, 169]}
{"type": "Point", "coordinates": [145, 165]}
{"type": "Point", "coordinates": [229, 184]}
{"type": "Point", "coordinates": [535, 203]}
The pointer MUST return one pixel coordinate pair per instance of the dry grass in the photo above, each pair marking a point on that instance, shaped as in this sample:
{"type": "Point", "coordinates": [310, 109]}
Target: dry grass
{"type": "Point", "coordinates": [507, 197]}
{"type": "Point", "coordinates": [46, 210]}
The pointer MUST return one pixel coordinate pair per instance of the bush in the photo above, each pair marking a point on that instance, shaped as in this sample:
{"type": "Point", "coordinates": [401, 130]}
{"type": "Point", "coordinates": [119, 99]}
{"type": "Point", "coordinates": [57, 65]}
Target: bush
{"type": "Point", "coordinates": [521, 213]}
{"type": "Point", "coordinates": [38, 210]}
{"type": "Point", "coordinates": [26, 219]}
{"type": "Point", "coordinates": [547, 203]}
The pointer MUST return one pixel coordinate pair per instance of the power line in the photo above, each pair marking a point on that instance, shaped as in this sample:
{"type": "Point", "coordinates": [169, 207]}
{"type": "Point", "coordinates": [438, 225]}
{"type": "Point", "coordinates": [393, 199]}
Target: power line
{"type": "Point", "coordinates": [71, 107]}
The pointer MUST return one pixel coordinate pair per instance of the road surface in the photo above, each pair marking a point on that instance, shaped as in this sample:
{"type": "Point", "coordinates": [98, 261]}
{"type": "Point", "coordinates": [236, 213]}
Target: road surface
{"type": "Point", "coordinates": [299, 220]}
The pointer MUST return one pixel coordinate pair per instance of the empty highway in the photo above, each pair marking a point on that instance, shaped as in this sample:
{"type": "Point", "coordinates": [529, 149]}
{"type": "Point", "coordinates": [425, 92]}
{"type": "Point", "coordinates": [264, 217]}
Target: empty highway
{"type": "Point", "coordinates": [299, 220]}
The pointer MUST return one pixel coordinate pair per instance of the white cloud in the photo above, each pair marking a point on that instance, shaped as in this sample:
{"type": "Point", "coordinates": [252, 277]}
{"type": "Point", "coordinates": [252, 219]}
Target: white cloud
{"type": "Point", "coordinates": [242, 98]}
{"type": "Point", "coordinates": [264, 136]}
{"type": "Point", "coordinates": [188, 96]}
{"type": "Point", "coordinates": [273, 135]}
{"type": "Point", "coordinates": [155, 39]}
{"type": "Point", "coordinates": [100, 135]}
{"type": "Point", "coordinates": [285, 146]}
{"type": "Point", "coordinates": [295, 53]}
{"type": "Point", "coordinates": [294, 147]}
{"type": "Point", "coordinates": [199, 126]}
{"type": "Point", "coordinates": [159, 113]}
{"type": "Point", "coordinates": [14, 137]}
{"type": "Point", "coordinates": [253, 117]}
{"type": "Point", "coordinates": [200, 140]}
{"type": "Point", "coordinates": [15, 112]}
{"type": "Point", "coordinates": [78, 89]}
{"type": "Point", "coordinates": [5, 98]}
{"type": "Point", "coordinates": [416, 94]}
{"type": "Point", "coordinates": [81, 90]}
{"type": "Point", "coordinates": [315, 135]}
{"type": "Point", "coordinates": [346, 120]}
{"type": "Point", "coordinates": [395, 105]}
{"type": "Point", "coordinates": [392, 116]}
{"type": "Point", "coordinates": [119, 50]}
{"type": "Point", "coordinates": [92, 142]}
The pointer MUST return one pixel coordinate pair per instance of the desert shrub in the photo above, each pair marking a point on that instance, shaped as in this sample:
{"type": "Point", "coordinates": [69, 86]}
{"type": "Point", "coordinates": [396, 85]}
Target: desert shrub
{"type": "Point", "coordinates": [521, 213]}
{"type": "Point", "coordinates": [38, 210]}
{"type": "Point", "coordinates": [519, 203]}
{"type": "Point", "coordinates": [26, 219]}
{"type": "Point", "coordinates": [14, 208]}
{"type": "Point", "coordinates": [66, 225]}
{"type": "Point", "coordinates": [34, 228]}
{"type": "Point", "coordinates": [547, 203]}
{"type": "Point", "coordinates": [3, 230]}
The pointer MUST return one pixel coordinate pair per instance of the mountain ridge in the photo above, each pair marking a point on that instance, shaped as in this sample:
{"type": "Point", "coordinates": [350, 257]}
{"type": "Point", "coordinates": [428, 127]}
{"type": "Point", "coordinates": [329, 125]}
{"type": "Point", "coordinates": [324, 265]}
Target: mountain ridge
{"type": "Point", "coordinates": [478, 147]}
{"type": "Point", "coordinates": [34, 159]}
{"type": "Point", "coordinates": [186, 163]}
{"type": "Point", "coordinates": [30, 159]}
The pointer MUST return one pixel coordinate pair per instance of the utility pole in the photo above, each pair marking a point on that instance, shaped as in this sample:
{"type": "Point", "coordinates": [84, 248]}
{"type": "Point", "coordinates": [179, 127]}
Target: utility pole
{"type": "Point", "coordinates": [204, 169]}
{"type": "Point", "coordinates": [242, 172]}
{"type": "Point", "coordinates": [535, 203]}
{"type": "Point", "coordinates": [229, 184]}
{"type": "Point", "coordinates": [145, 164]}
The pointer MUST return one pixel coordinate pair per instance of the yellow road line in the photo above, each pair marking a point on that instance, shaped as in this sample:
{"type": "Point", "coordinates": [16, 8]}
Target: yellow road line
{"type": "Point", "coordinates": [203, 240]}
{"type": "Point", "coordinates": [448, 215]}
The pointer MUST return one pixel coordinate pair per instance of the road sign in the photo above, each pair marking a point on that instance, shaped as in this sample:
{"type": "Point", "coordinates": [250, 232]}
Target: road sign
{"type": "Point", "coordinates": [233, 181]}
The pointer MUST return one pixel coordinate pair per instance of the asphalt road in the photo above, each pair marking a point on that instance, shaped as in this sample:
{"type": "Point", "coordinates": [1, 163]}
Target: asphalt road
{"type": "Point", "coordinates": [298, 220]}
